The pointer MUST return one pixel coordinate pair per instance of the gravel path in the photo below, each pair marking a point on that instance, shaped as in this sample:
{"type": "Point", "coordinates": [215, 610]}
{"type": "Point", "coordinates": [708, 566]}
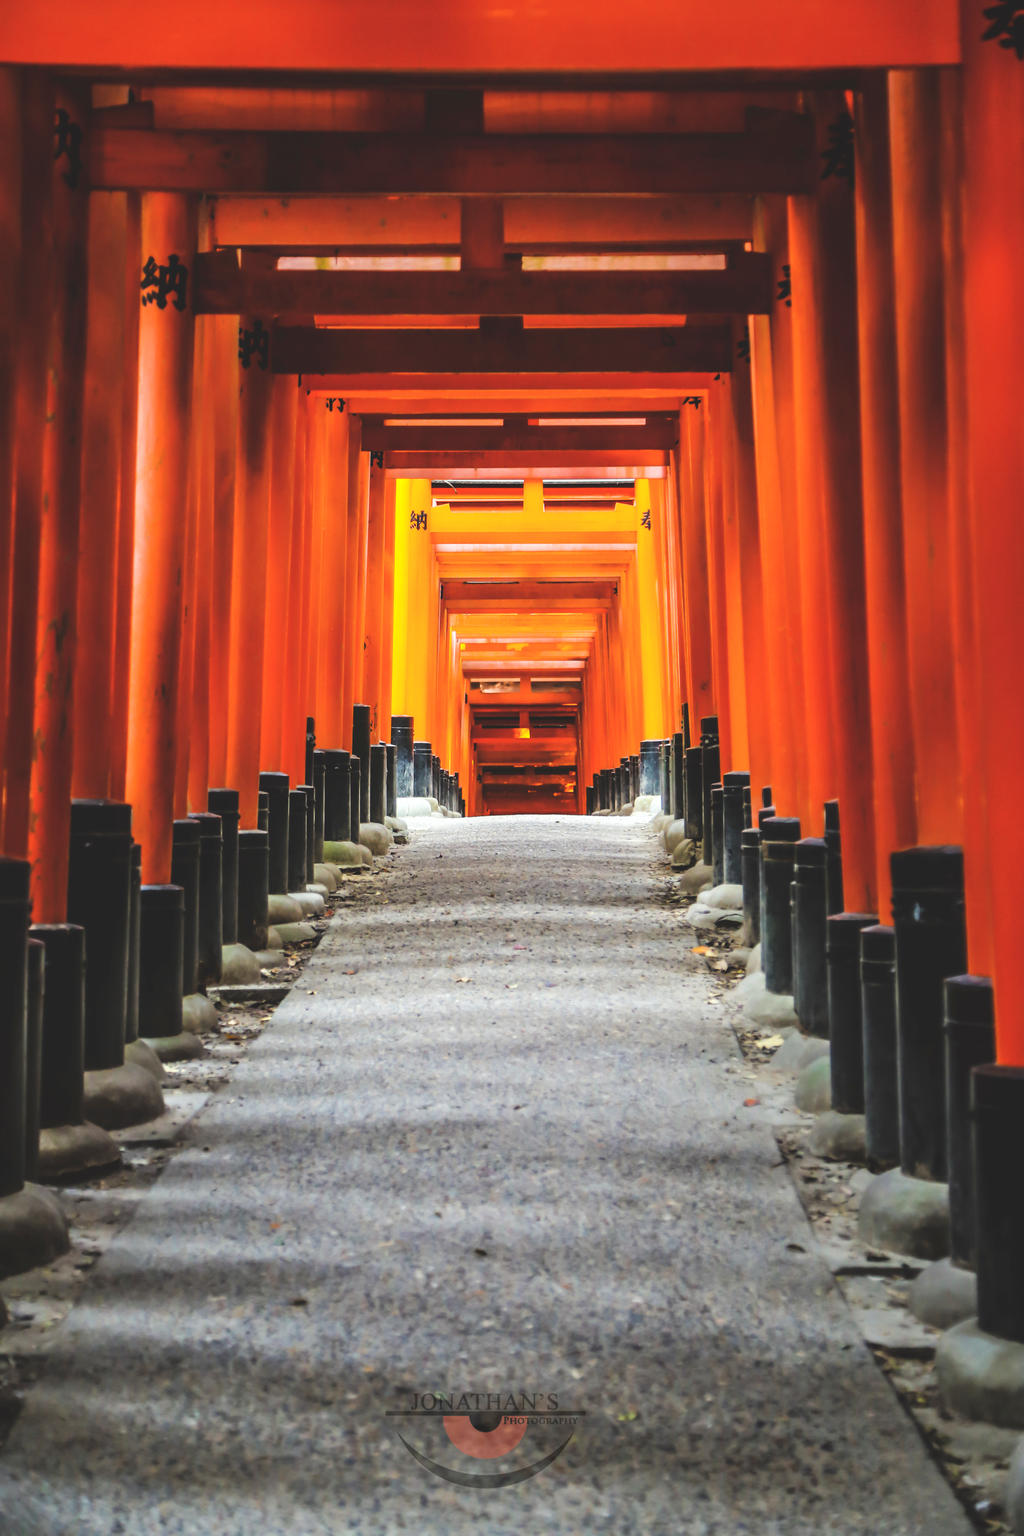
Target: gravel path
{"type": "Point", "coordinates": [494, 1141]}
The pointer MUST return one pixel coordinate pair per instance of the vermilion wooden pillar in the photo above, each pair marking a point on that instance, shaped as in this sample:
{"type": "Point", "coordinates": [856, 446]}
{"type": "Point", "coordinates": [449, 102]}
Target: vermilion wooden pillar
{"type": "Point", "coordinates": [277, 662]}
{"type": "Point", "coordinates": [102, 468]}
{"type": "Point", "coordinates": [993, 238]}
{"type": "Point", "coordinates": [10, 251]}
{"type": "Point", "coordinates": [220, 396]}
{"type": "Point", "coordinates": [388, 616]}
{"type": "Point", "coordinates": [166, 337]}
{"type": "Point", "coordinates": [335, 578]}
{"type": "Point", "coordinates": [351, 610]}
{"type": "Point", "coordinates": [204, 584]}
{"type": "Point", "coordinates": [300, 701]}
{"type": "Point", "coordinates": [732, 406]}
{"type": "Point", "coordinates": [843, 518]}
{"type": "Point", "coordinates": [190, 725]}
{"type": "Point", "coordinates": [696, 613]}
{"type": "Point", "coordinates": [50, 824]}
{"type": "Point", "coordinates": [249, 575]}
{"type": "Point", "coordinates": [34, 298]}
{"type": "Point", "coordinates": [914, 121]}
{"type": "Point", "coordinates": [374, 634]}
{"type": "Point", "coordinates": [714, 510]}
{"type": "Point", "coordinates": [120, 684]}
{"type": "Point", "coordinates": [891, 731]}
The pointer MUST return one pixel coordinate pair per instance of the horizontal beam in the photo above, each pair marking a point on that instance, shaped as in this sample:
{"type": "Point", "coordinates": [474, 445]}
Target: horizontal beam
{"type": "Point", "coordinates": [380, 39]}
{"type": "Point", "coordinates": [533, 225]}
{"type": "Point", "coordinates": [466, 595]}
{"type": "Point", "coordinates": [529, 440]}
{"type": "Point", "coordinates": [779, 157]}
{"type": "Point", "coordinates": [542, 461]}
{"type": "Point", "coordinates": [222, 287]}
{"type": "Point", "coordinates": [499, 348]}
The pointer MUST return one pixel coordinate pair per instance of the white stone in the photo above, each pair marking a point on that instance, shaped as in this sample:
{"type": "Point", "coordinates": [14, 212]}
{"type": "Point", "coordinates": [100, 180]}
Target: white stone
{"type": "Point", "coordinates": [729, 897]}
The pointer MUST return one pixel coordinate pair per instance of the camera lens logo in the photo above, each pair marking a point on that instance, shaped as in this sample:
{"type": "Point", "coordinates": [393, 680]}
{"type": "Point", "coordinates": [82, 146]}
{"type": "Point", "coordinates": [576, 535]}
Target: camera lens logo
{"type": "Point", "coordinates": [485, 1427]}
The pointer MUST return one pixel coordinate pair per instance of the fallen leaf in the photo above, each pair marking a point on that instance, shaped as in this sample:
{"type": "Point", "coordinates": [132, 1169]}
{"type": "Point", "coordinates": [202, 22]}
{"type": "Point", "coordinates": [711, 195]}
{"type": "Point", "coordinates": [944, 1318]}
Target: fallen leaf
{"type": "Point", "coordinates": [462, 978]}
{"type": "Point", "coordinates": [704, 949]}
{"type": "Point", "coordinates": [749, 1103]}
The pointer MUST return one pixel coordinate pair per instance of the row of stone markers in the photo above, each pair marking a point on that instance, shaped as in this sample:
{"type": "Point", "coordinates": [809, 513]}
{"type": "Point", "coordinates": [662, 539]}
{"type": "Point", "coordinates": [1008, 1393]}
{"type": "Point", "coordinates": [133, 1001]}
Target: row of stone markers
{"type": "Point", "coordinates": [92, 1007]}
{"type": "Point", "coordinates": [892, 1044]}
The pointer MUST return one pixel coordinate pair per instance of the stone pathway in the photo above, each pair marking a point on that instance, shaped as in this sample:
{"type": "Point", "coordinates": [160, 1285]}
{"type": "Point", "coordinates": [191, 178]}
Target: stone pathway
{"type": "Point", "coordinates": [494, 1141]}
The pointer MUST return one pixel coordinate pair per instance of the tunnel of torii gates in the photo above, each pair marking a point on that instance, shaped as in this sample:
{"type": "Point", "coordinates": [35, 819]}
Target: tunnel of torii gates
{"type": "Point", "coordinates": [535, 383]}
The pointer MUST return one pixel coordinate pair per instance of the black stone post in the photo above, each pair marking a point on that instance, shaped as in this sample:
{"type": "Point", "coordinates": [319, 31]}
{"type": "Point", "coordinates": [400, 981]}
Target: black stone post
{"type": "Point", "coordinates": [808, 899]}
{"type": "Point", "coordinates": [634, 776]}
{"type": "Point", "coordinates": [36, 989]}
{"type": "Point", "coordinates": [379, 783]}
{"type": "Point", "coordinates": [997, 1114]}
{"type": "Point", "coordinates": [14, 912]}
{"type": "Point", "coordinates": [435, 777]}
{"type": "Point", "coordinates": [833, 842]}
{"type": "Point", "coordinates": [590, 800]}
{"type": "Point", "coordinates": [686, 726]}
{"type": "Point", "coordinates": [676, 777]}
{"type": "Point", "coordinates": [604, 789]}
{"type": "Point", "coordinates": [211, 897]}
{"type": "Point", "coordinates": [970, 1043]}
{"type": "Point", "coordinates": [310, 747]}
{"type": "Point", "coordinates": [422, 769]}
{"type": "Point", "coordinates": [337, 802]}
{"type": "Point", "coordinates": [275, 786]}
{"type": "Point", "coordinates": [878, 1012]}
{"type": "Point", "coordinates": [131, 1022]}
{"type": "Point", "coordinates": [733, 785]}
{"type": "Point", "coordinates": [355, 799]}
{"type": "Point", "coordinates": [253, 887]}
{"type": "Point", "coordinates": [401, 735]}
{"type": "Point", "coordinates": [320, 795]}
{"type": "Point", "coordinates": [391, 797]}
{"type": "Point", "coordinates": [311, 850]}
{"type": "Point", "coordinates": [748, 808]}
{"type": "Point", "coordinates": [224, 803]}
{"type": "Point", "coordinates": [262, 811]}
{"type": "Point", "coordinates": [297, 839]}
{"type": "Point", "coordinates": [63, 1042]}
{"type": "Point", "coordinates": [161, 963]}
{"type": "Point", "coordinates": [99, 900]}
{"type": "Point", "coordinates": [361, 749]}
{"type": "Point", "coordinates": [779, 835]}
{"type": "Point", "coordinates": [845, 1019]}
{"type": "Point", "coordinates": [185, 872]}
{"type": "Point", "coordinates": [751, 856]}
{"type": "Point", "coordinates": [665, 775]}
{"type": "Point", "coordinates": [717, 834]}
{"type": "Point", "coordinates": [694, 793]}
{"type": "Point", "coordinates": [931, 944]}
{"type": "Point", "coordinates": [711, 773]}
{"type": "Point", "coordinates": [650, 769]}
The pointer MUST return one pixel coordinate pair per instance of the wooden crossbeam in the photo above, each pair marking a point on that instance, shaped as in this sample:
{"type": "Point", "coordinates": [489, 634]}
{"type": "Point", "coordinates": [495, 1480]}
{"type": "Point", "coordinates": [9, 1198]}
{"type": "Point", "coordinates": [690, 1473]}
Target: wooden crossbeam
{"type": "Point", "coordinates": [222, 287]}
{"type": "Point", "coordinates": [538, 462]}
{"type": "Point", "coordinates": [533, 225]}
{"type": "Point", "coordinates": [498, 347]}
{"type": "Point", "coordinates": [779, 157]}
{"type": "Point", "coordinates": [530, 440]}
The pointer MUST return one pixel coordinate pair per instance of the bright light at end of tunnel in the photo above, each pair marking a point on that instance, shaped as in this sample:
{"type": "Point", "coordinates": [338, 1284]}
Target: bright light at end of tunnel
{"type": "Point", "coordinates": [523, 732]}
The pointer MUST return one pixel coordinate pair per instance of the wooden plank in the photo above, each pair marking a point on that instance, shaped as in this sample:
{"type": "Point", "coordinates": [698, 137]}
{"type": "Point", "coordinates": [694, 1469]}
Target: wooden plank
{"type": "Point", "coordinates": [744, 287]}
{"type": "Point", "coordinates": [621, 440]}
{"type": "Point", "coordinates": [685, 349]}
{"type": "Point", "coordinates": [779, 157]}
{"type": "Point", "coordinates": [541, 460]}
{"type": "Point", "coordinates": [379, 39]}
{"type": "Point", "coordinates": [533, 225]}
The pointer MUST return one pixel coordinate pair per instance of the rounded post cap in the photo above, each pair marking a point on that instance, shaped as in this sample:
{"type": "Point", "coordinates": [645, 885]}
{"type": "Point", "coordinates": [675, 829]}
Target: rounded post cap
{"type": "Point", "coordinates": [969, 1000]}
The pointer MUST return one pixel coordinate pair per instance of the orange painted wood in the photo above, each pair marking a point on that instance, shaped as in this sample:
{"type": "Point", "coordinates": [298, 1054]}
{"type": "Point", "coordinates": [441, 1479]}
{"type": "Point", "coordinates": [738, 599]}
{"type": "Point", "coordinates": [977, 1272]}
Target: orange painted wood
{"type": "Point", "coordinates": [248, 585]}
{"type": "Point", "coordinates": [120, 681]}
{"type": "Point", "coordinates": [335, 578]}
{"type": "Point", "coordinates": [56, 624]}
{"type": "Point", "coordinates": [742, 288]}
{"type": "Point", "coordinates": [693, 523]}
{"type": "Point", "coordinates": [348, 613]}
{"type": "Point", "coordinates": [732, 450]}
{"type": "Point", "coordinates": [166, 339]}
{"type": "Point", "coordinates": [10, 257]}
{"type": "Point", "coordinates": [610, 440]}
{"type": "Point", "coordinates": [188, 725]}
{"type": "Point", "coordinates": [206, 594]}
{"type": "Point", "coordinates": [843, 514]}
{"type": "Point", "coordinates": [300, 699]}
{"type": "Point", "coordinates": [275, 726]}
{"type": "Point", "coordinates": [380, 41]}
{"type": "Point", "coordinates": [221, 396]}
{"type": "Point", "coordinates": [891, 733]}
{"type": "Point", "coordinates": [775, 157]}
{"type": "Point", "coordinates": [432, 224]}
{"type": "Point", "coordinates": [375, 634]}
{"type": "Point", "coordinates": [34, 298]}
{"type": "Point", "coordinates": [921, 353]}
{"type": "Point", "coordinates": [993, 237]}
{"type": "Point", "coordinates": [387, 640]}
{"type": "Point", "coordinates": [497, 348]}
